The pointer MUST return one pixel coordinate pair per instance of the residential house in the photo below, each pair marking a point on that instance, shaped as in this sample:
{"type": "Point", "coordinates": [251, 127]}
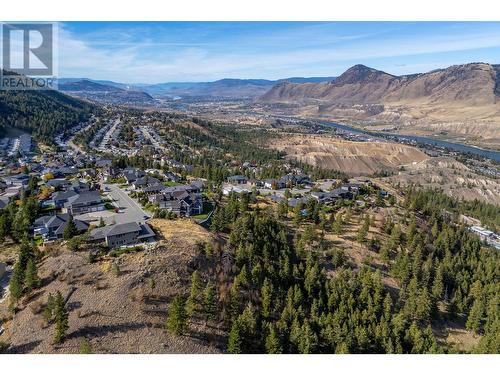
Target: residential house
{"type": "Point", "coordinates": [88, 201]}
{"type": "Point", "coordinates": [330, 196]}
{"type": "Point", "coordinates": [60, 198]}
{"type": "Point", "coordinates": [180, 202]}
{"type": "Point", "coordinates": [237, 180]}
{"type": "Point", "coordinates": [228, 189]}
{"type": "Point", "coordinates": [101, 163]}
{"type": "Point", "coordinates": [171, 176]}
{"type": "Point", "coordinates": [274, 184]}
{"type": "Point", "coordinates": [351, 187]}
{"type": "Point", "coordinates": [143, 182]}
{"type": "Point", "coordinates": [110, 173]}
{"type": "Point", "coordinates": [132, 174]}
{"type": "Point", "coordinates": [58, 183]}
{"type": "Point", "coordinates": [52, 227]}
{"type": "Point", "coordinates": [122, 234]}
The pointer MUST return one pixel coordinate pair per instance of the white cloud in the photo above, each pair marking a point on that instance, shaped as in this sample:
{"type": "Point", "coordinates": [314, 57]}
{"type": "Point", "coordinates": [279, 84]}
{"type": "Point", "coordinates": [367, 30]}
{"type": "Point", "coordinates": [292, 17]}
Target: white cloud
{"type": "Point", "coordinates": [151, 61]}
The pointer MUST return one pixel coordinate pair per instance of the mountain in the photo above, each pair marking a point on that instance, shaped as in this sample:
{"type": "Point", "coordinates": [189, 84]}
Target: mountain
{"type": "Point", "coordinates": [44, 113]}
{"type": "Point", "coordinates": [87, 85]}
{"type": "Point", "coordinates": [227, 87]}
{"type": "Point", "coordinates": [105, 92]}
{"type": "Point", "coordinates": [465, 97]}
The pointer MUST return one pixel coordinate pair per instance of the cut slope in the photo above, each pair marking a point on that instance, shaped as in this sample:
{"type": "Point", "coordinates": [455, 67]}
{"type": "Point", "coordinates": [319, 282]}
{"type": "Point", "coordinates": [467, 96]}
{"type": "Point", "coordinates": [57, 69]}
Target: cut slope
{"type": "Point", "coordinates": [355, 158]}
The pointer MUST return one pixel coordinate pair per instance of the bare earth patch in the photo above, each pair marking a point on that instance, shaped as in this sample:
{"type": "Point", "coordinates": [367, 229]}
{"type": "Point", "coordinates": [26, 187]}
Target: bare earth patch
{"type": "Point", "coordinates": [356, 158]}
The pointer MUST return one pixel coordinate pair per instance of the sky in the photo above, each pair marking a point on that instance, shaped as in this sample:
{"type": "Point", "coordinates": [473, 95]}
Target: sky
{"type": "Point", "coordinates": [155, 52]}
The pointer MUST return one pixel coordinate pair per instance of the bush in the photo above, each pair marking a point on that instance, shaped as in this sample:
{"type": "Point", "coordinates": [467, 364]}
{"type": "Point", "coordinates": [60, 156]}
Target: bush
{"type": "Point", "coordinates": [126, 250]}
{"type": "Point", "coordinates": [3, 347]}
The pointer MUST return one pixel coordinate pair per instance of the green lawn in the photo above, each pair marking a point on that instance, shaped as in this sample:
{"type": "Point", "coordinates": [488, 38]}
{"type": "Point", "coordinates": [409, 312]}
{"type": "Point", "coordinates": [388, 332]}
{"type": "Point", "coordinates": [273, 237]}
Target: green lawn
{"type": "Point", "coordinates": [171, 183]}
{"type": "Point", "coordinates": [207, 208]}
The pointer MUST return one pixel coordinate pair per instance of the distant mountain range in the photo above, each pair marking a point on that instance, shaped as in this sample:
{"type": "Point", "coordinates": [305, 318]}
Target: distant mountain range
{"type": "Point", "coordinates": [105, 92]}
{"type": "Point", "coordinates": [460, 99]}
{"type": "Point", "coordinates": [228, 87]}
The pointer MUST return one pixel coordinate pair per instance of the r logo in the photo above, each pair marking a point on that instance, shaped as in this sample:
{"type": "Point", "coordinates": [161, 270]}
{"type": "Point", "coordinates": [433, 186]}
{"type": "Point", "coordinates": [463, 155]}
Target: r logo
{"type": "Point", "coordinates": [28, 48]}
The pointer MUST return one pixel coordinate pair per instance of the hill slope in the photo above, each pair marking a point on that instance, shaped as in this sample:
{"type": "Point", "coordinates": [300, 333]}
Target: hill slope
{"type": "Point", "coordinates": [43, 113]}
{"type": "Point", "coordinates": [462, 93]}
{"type": "Point", "coordinates": [87, 85]}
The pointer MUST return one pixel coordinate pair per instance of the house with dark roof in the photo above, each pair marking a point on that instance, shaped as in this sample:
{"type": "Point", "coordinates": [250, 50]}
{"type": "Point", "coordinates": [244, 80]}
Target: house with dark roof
{"type": "Point", "coordinates": [88, 201]}
{"type": "Point", "coordinates": [122, 234]}
{"type": "Point", "coordinates": [351, 187]}
{"type": "Point", "coordinates": [237, 179]}
{"type": "Point", "coordinates": [171, 176]}
{"type": "Point", "coordinates": [132, 174]}
{"type": "Point", "coordinates": [103, 163]}
{"type": "Point", "coordinates": [154, 189]}
{"type": "Point", "coordinates": [274, 184]}
{"type": "Point", "coordinates": [58, 183]}
{"type": "Point", "coordinates": [180, 202]}
{"type": "Point", "coordinates": [61, 197]}
{"type": "Point", "coordinates": [143, 182]}
{"type": "Point", "coordinates": [52, 227]}
{"type": "Point", "coordinates": [110, 173]}
{"type": "Point", "coordinates": [330, 196]}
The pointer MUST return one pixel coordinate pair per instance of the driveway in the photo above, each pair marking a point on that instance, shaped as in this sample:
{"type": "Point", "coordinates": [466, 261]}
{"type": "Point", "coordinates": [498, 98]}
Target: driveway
{"type": "Point", "coordinates": [130, 210]}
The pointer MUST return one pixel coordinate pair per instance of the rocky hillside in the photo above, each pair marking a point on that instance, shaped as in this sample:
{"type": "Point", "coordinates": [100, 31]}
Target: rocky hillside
{"type": "Point", "coordinates": [356, 158]}
{"type": "Point", "coordinates": [462, 93]}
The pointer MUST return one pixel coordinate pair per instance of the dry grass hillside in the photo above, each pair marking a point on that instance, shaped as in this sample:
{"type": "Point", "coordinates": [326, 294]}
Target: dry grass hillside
{"type": "Point", "coordinates": [355, 158]}
{"type": "Point", "coordinates": [120, 311]}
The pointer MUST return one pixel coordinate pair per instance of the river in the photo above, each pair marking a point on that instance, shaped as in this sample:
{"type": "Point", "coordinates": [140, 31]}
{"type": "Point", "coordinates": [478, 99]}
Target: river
{"type": "Point", "coordinates": [491, 154]}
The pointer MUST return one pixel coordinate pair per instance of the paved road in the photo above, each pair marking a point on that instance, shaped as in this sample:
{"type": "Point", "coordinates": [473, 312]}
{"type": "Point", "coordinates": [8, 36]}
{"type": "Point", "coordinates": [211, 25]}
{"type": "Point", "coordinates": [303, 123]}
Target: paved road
{"type": "Point", "coordinates": [130, 210]}
{"type": "Point", "coordinates": [108, 135]}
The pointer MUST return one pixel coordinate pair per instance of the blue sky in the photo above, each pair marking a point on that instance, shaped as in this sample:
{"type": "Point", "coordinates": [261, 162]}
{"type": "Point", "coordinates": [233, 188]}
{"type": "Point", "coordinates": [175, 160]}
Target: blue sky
{"type": "Point", "coordinates": [153, 52]}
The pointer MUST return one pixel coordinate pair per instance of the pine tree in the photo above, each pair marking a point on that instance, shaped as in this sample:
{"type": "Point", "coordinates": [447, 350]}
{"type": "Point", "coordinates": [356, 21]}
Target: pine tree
{"type": "Point", "coordinates": [61, 318]}
{"type": "Point", "coordinates": [234, 301]}
{"type": "Point", "coordinates": [266, 298]}
{"type": "Point", "coordinates": [16, 284]}
{"type": "Point", "coordinates": [177, 317]}
{"type": "Point", "coordinates": [70, 231]}
{"type": "Point", "coordinates": [308, 339]}
{"type": "Point", "coordinates": [234, 344]}
{"type": "Point", "coordinates": [297, 213]}
{"type": "Point", "coordinates": [273, 344]}
{"type": "Point", "coordinates": [363, 231]}
{"type": "Point", "coordinates": [194, 299]}
{"type": "Point", "coordinates": [283, 209]}
{"type": "Point", "coordinates": [438, 284]}
{"type": "Point", "coordinates": [31, 280]}
{"type": "Point", "coordinates": [210, 301]}
{"type": "Point", "coordinates": [337, 225]}
{"type": "Point", "coordinates": [218, 220]}
{"type": "Point", "coordinates": [48, 310]}
{"type": "Point", "coordinates": [476, 315]}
